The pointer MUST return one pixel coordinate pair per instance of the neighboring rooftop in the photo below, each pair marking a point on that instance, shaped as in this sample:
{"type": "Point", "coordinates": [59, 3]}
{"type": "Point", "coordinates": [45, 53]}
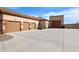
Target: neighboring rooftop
{"type": "Point", "coordinates": [56, 15]}
{"type": "Point", "coordinates": [9, 12]}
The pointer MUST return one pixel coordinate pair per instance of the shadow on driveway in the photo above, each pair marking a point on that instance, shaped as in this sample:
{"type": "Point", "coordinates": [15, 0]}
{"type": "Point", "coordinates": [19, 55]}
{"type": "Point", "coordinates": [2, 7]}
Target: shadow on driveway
{"type": "Point", "coordinates": [4, 37]}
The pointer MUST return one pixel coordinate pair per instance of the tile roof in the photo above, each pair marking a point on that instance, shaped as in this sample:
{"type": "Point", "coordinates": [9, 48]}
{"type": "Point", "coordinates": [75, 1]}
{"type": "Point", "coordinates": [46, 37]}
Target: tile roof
{"type": "Point", "coordinates": [9, 12]}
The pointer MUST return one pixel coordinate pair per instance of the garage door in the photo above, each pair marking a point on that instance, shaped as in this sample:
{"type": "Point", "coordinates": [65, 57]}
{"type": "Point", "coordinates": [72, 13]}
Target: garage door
{"type": "Point", "coordinates": [33, 26]}
{"type": "Point", "coordinates": [56, 24]}
{"type": "Point", "coordinates": [26, 26]}
{"type": "Point", "coordinates": [13, 26]}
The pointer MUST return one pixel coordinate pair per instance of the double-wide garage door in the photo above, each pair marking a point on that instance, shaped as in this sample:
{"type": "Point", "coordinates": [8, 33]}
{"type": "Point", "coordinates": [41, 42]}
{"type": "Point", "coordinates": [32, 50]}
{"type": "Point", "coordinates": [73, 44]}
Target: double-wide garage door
{"type": "Point", "coordinates": [13, 26]}
{"type": "Point", "coordinates": [56, 24]}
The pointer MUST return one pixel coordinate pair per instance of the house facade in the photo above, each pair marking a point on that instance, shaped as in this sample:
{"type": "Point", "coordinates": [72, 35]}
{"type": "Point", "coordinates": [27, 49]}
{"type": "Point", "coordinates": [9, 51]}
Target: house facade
{"type": "Point", "coordinates": [11, 21]}
{"type": "Point", "coordinates": [56, 21]}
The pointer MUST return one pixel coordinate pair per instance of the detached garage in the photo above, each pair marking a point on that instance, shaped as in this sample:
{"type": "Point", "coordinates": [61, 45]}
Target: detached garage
{"type": "Point", "coordinates": [12, 21]}
{"type": "Point", "coordinates": [12, 26]}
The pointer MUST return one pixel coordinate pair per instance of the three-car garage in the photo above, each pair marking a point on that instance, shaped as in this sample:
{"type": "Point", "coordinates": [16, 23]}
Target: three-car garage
{"type": "Point", "coordinates": [12, 26]}
{"type": "Point", "coordinates": [12, 21]}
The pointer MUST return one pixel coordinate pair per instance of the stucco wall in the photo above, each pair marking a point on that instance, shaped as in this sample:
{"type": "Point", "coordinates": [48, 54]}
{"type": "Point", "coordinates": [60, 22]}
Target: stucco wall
{"type": "Point", "coordinates": [44, 24]}
{"type": "Point", "coordinates": [47, 24]}
{"type": "Point", "coordinates": [15, 18]}
{"type": "Point", "coordinates": [1, 22]}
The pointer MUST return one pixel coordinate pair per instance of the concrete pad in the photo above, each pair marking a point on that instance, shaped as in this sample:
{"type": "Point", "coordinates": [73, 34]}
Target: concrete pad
{"type": "Point", "coordinates": [71, 40]}
{"type": "Point", "coordinates": [2, 48]}
{"type": "Point", "coordinates": [35, 41]}
{"type": "Point", "coordinates": [48, 40]}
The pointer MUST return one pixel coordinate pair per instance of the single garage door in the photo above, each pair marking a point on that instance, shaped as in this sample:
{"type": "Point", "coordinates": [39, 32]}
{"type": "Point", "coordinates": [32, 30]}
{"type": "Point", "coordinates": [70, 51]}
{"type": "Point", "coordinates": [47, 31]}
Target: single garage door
{"type": "Point", "coordinates": [26, 26]}
{"type": "Point", "coordinates": [13, 26]}
{"type": "Point", "coordinates": [33, 26]}
{"type": "Point", "coordinates": [56, 24]}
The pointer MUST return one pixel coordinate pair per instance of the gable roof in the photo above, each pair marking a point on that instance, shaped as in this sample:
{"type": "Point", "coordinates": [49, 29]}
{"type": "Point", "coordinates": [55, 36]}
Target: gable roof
{"type": "Point", "coordinates": [9, 12]}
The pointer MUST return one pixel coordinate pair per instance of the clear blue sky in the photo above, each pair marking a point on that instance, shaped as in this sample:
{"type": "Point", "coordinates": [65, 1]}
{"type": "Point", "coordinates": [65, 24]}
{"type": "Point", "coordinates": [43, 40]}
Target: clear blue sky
{"type": "Point", "coordinates": [71, 14]}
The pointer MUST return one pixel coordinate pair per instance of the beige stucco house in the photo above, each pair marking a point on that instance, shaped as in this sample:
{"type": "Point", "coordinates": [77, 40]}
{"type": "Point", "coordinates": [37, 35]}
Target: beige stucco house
{"type": "Point", "coordinates": [11, 21]}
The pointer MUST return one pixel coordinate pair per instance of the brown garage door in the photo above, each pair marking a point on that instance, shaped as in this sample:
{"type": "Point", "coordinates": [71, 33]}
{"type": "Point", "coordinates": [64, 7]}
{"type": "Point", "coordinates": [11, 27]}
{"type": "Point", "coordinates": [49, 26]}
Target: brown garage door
{"type": "Point", "coordinates": [26, 26]}
{"type": "Point", "coordinates": [33, 26]}
{"type": "Point", "coordinates": [13, 26]}
{"type": "Point", "coordinates": [56, 24]}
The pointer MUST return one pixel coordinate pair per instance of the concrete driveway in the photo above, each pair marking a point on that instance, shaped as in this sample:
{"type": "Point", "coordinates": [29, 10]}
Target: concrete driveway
{"type": "Point", "coordinates": [48, 40]}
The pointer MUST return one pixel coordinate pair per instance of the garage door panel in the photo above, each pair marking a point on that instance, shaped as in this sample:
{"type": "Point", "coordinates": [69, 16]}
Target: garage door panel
{"type": "Point", "coordinates": [26, 26]}
{"type": "Point", "coordinates": [13, 26]}
{"type": "Point", "coordinates": [33, 26]}
{"type": "Point", "coordinates": [56, 24]}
